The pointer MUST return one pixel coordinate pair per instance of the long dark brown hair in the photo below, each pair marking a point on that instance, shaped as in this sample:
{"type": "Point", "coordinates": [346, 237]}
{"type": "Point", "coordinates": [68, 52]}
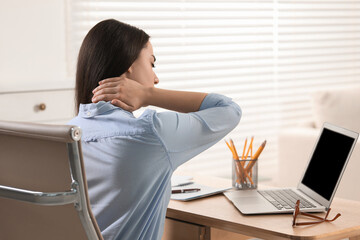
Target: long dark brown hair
{"type": "Point", "coordinates": [108, 50]}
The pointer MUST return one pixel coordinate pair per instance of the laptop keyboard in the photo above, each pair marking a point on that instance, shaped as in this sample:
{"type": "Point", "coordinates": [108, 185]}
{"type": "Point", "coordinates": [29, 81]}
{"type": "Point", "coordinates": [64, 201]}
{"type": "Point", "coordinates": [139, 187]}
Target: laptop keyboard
{"type": "Point", "coordinates": [284, 198]}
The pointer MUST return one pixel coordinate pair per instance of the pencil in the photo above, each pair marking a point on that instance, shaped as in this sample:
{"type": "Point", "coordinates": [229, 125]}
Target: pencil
{"type": "Point", "coordinates": [242, 157]}
{"type": "Point", "coordinates": [250, 147]}
{"type": "Point", "coordinates": [237, 169]}
{"type": "Point", "coordinates": [240, 170]}
{"type": "Point", "coordinates": [239, 166]}
{"type": "Point", "coordinates": [256, 156]}
{"type": "Point", "coordinates": [231, 149]}
{"type": "Point", "coordinates": [234, 148]}
{"type": "Point", "coordinates": [260, 149]}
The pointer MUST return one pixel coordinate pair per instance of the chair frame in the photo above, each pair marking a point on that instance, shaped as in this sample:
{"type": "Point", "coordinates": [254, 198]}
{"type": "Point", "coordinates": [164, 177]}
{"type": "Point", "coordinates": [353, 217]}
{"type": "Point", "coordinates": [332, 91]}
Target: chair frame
{"type": "Point", "coordinates": [75, 195]}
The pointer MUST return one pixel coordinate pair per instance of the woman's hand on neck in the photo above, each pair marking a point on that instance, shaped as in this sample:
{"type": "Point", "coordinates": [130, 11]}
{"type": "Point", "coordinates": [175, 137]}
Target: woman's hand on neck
{"type": "Point", "coordinates": [130, 95]}
{"type": "Point", "coordinates": [123, 92]}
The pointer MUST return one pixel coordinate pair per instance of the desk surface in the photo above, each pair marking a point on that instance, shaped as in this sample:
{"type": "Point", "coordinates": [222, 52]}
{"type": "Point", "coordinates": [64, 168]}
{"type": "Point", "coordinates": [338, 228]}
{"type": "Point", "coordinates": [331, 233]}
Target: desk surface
{"type": "Point", "coordinates": [218, 212]}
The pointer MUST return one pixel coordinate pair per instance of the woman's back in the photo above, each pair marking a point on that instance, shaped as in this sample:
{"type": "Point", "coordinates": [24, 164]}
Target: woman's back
{"type": "Point", "coordinates": [127, 171]}
{"type": "Point", "coordinates": [129, 161]}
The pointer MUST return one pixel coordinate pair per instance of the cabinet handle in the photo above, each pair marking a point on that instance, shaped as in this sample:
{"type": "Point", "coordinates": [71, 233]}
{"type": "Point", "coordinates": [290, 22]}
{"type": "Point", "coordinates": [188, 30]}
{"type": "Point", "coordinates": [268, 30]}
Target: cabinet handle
{"type": "Point", "coordinates": [42, 106]}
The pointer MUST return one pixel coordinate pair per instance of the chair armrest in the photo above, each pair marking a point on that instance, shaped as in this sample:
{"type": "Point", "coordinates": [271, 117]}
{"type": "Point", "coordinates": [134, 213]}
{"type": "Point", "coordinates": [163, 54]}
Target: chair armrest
{"type": "Point", "coordinates": [40, 198]}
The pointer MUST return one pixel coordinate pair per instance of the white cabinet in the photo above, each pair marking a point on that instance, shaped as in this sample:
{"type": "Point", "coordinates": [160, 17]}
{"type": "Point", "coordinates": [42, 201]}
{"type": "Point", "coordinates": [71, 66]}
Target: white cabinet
{"type": "Point", "coordinates": [52, 106]}
{"type": "Point", "coordinates": [35, 84]}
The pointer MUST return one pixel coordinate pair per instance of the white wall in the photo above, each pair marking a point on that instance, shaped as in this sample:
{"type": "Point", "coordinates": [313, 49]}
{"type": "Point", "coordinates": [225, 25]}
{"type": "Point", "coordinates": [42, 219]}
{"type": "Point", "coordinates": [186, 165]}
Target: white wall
{"type": "Point", "coordinates": [32, 44]}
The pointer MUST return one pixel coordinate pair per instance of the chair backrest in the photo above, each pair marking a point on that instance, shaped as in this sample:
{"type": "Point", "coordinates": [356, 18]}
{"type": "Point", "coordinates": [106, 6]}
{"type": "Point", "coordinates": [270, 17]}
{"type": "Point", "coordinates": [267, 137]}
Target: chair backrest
{"type": "Point", "coordinates": [43, 190]}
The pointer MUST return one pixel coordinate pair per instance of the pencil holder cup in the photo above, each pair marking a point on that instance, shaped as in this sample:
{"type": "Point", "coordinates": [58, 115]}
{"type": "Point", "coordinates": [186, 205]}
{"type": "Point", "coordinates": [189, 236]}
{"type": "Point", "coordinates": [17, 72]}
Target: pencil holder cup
{"type": "Point", "coordinates": [245, 173]}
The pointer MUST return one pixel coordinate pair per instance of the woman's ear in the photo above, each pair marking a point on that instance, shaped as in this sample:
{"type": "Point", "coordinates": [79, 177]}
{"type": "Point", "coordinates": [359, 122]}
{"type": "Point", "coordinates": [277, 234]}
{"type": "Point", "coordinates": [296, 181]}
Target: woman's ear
{"type": "Point", "coordinates": [129, 72]}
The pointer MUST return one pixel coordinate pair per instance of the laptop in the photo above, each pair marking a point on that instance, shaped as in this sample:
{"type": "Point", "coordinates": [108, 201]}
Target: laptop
{"type": "Point", "coordinates": [318, 184]}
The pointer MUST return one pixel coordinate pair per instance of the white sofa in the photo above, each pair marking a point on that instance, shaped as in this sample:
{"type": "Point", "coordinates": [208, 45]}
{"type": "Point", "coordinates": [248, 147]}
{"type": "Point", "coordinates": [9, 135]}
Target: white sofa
{"type": "Point", "coordinates": [340, 107]}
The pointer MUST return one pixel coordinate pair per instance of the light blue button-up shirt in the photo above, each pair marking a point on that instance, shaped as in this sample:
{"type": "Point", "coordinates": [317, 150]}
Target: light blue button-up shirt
{"type": "Point", "coordinates": [129, 161]}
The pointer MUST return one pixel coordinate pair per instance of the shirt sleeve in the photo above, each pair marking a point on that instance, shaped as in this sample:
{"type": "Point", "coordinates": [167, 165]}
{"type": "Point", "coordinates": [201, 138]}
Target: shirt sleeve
{"type": "Point", "coordinates": [185, 135]}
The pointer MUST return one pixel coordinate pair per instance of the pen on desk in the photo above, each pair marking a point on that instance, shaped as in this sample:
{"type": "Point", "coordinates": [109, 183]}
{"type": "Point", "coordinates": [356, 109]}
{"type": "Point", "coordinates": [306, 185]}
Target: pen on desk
{"type": "Point", "coordinates": [188, 190]}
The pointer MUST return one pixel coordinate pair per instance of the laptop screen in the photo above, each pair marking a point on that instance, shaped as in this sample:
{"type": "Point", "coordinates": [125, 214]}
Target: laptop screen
{"type": "Point", "coordinates": [327, 162]}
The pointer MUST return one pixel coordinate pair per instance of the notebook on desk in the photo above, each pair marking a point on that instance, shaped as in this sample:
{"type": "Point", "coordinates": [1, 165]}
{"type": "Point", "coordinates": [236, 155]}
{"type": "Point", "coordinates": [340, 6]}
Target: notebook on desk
{"type": "Point", "coordinates": [205, 191]}
{"type": "Point", "coordinates": [318, 185]}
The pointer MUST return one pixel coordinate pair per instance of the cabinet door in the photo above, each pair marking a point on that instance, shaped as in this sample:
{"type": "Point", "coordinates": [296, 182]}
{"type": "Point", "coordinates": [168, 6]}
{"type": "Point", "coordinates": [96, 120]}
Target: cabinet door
{"type": "Point", "coordinates": [178, 230]}
{"type": "Point", "coordinates": [38, 106]}
{"type": "Point", "coordinates": [218, 234]}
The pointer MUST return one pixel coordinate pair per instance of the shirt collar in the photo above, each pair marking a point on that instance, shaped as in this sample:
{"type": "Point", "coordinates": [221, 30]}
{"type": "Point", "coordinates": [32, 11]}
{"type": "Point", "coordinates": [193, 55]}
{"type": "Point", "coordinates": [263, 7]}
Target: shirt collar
{"type": "Point", "coordinates": [93, 109]}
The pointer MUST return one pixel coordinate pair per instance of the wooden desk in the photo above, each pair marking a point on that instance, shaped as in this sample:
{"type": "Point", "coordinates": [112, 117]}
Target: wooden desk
{"type": "Point", "coordinates": [218, 213]}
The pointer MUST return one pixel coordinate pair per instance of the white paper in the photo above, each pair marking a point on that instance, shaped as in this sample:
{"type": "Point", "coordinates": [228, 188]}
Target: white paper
{"type": "Point", "coordinates": [180, 180]}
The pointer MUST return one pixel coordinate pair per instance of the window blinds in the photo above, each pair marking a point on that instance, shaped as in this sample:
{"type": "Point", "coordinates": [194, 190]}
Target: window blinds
{"type": "Point", "coordinates": [266, 55]}
{"type": "Point", "coordinates": [318, 47]}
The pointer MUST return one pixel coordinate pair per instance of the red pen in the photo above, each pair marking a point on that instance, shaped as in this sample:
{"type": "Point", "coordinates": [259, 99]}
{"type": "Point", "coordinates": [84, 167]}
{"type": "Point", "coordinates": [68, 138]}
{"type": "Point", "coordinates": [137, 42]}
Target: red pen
{"type": "Point", "coordinates": [187, 190]}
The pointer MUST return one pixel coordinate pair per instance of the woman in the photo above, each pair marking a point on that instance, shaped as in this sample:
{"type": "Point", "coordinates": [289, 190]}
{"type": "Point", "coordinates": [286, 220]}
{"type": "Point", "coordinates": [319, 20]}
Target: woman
{"type": "Point", "coordinates": [129, 161]}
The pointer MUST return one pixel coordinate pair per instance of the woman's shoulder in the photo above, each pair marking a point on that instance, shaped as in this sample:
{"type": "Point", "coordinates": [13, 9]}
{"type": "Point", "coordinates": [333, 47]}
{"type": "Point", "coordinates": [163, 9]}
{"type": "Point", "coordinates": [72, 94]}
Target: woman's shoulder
{"type": "Point", "coordinates": [115, 123]}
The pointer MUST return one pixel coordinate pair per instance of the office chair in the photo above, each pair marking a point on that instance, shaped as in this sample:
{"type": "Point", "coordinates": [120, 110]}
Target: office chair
{"type": "Point", "coordinates": [43, 190]}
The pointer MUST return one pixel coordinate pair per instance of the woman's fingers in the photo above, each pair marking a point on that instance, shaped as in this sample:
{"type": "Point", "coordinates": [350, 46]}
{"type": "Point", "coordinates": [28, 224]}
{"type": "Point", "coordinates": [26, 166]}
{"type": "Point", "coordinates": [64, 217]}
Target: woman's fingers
{"type": "Point", "coordinates": [106, 85]}
{"type": "Point", "coordinates": [107, 91]}
{"type": "Point", "coordinates": [122, 105]}
{"type": "Point", "coordinates": [114, 79]}
{"type": "Point", "coordinates": [104, 97]}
